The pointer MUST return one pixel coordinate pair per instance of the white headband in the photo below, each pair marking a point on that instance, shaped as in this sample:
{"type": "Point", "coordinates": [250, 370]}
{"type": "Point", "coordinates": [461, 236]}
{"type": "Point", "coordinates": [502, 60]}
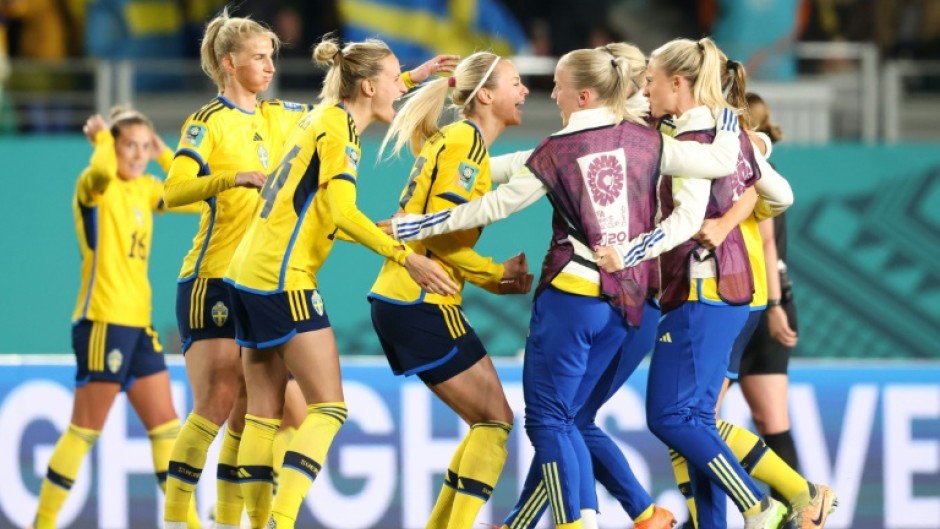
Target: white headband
{"type": "Point", "coordinates": [482, 81]}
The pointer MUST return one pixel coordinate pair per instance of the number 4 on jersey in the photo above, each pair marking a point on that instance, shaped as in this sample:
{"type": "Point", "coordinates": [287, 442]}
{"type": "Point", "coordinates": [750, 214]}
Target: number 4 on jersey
{"type": "Point", "coordinates": [276, 180]}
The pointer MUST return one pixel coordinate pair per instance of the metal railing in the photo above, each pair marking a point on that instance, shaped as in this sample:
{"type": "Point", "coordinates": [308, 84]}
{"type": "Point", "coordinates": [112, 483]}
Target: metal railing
{"type": "Point", "coordinates": [893, 76]}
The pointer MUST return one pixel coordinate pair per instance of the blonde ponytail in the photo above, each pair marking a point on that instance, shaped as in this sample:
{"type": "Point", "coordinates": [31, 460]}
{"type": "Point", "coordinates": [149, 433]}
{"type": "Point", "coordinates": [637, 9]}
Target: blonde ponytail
{"type": "Point", "coordinates": [417, 120]}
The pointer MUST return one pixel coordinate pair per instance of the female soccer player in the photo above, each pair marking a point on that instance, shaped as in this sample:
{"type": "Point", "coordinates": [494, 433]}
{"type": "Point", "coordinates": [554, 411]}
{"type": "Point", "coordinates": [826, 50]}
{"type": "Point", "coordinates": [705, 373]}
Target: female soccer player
{"type": "Point", "coordinates": [705, 292]}
{"type": "Point", "coordinates": [225, 149]}
{"type": "Point", "coordinates": [759, 363]}
{"type": "Point", "coordinates": [115, 346]}
{"type": "Point", "coordinates": [308, 201]}
{"type": "Point", "coordinates": [426, 334]}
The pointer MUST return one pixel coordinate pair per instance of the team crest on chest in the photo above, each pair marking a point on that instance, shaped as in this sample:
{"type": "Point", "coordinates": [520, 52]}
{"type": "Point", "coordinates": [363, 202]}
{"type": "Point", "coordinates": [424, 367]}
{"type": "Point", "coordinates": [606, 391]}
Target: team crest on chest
{"type": "Point", "coordinates": [316, 300]}
{"type": "Point", "coordinates": [467, 175]}
{"type": "Point", "coordinates": [219, 313]}
{"type": "Point", "coordinates": [139, 215]}
{"type": "Point", "coordinates": [263, 156]}
{"type": "Point", "coordinates": [115, 359]}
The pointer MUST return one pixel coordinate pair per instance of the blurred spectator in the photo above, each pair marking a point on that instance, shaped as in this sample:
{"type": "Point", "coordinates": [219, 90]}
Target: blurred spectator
{"type": "Point", "coordinates": [7, 125]}
{"type": "Point", "coordinates": [417, 30]}
{"type": "Point", "coordinates": [196, 13]}
{"type": "Point", "coordinates": [909, 29]}
{"type": "Point", "coordinates": [42, 29]}
{"type": "Point", "coordinates": [555, 29]}
{"type": "Point", "coordinates": [46, 31]}
{"type": "Point", "coordinates": [759, 34]}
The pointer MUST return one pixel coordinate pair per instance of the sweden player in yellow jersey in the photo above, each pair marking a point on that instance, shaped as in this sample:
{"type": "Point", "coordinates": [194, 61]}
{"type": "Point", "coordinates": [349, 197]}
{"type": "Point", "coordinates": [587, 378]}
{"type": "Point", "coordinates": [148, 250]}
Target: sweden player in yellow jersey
{"type": "Point", "coordinates": [426, 334]}
{"type": "Point", "coordinates": [308, 200]}
{"type": "Point", "coordinates": [224, 150]}
{"type": "Point", "coordinates": [115, 347]}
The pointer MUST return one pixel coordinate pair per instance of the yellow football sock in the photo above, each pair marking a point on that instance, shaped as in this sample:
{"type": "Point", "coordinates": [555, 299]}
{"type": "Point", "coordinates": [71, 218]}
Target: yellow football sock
{"type": "Point", "coordinates": [680, 469]}
{"type": "Point", "coordinates": [304, 458]}
{"type": "Point", "coordinates": [229, 501]}
{"type": "Point", "coordinates": [162, 439]}
{"type": "Point", "coordinates": [572, 525]}
{"type": "Point", "coordinates": [64, 464]}
{"type": "Point", "coordinates": [185, 467]}
{"type": "Point", "coordinates": [480, 467]}
{"type": "Point", "coordinates": [764, 464]}
{"type": "Point", "coordinates": [256, 467]}
{"type": "Point", "coordinates": [282, 439]}
{"type": "Point", "coordinates": [440, 514]}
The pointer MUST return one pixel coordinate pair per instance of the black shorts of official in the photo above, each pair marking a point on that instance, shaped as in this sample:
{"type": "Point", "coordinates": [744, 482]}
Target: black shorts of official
{"type": "Point", "coordinates": [740, 343]}
{"type": "Point", "coordinates": [106, 352]}
{"type": "Point", "coordinates": [435, 342]}
{"type": "Point", "coordinates": [764, 355]}
{"type": "Point", "coordinates": [268, 320]}
{"type": "Point", "coordinates": [204, 311]}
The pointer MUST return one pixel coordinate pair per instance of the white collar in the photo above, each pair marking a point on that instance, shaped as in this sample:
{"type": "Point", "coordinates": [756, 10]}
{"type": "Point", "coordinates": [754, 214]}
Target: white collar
{"type": "Point", "coordinates": [589, 119]}
{"type": "Point", "coordinates": [698, 118]}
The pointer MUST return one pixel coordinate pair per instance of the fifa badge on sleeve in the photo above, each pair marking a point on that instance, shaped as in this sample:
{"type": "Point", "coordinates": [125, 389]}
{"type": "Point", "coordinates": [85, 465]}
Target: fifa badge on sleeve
{"type": "Point", "coordinates": [195, 135]}
{"type": "Point", "coordinates": [352, 157]}
{"type": "Point", "coordinates": [467, 175]}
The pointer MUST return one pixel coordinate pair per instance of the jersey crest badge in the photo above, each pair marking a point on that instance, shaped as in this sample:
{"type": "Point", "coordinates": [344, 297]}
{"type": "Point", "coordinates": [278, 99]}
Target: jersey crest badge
{"type": "Point", "coordinates": [263, 155]}
{"type": "Point", "coordinates": [139, 215]}
{"type": "Point", "coordinates": [219, 313]}
{"type": "Point", "coordinates": [467, 175]}
{"type": "Point", "coordinates": [115, 359]}
{"type": "Point", "coordinates": [317, 301]}
{"type": "Point", "coordinates": [195, 135]}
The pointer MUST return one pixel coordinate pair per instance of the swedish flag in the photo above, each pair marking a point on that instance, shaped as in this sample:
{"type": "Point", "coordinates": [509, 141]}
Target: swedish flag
{"type": "Point", "coordinates": [416, 30]}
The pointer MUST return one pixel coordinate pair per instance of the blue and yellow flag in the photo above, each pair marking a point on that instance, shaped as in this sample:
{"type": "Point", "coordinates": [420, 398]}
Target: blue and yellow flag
{"type": "Point", "coordinates": [416, 30]}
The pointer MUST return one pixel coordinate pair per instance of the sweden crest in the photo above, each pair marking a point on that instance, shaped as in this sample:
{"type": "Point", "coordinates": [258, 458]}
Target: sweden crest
{"type": "Point", "coordinates": [219, 313]}
{"type": "Point", "coordinates": [316, 300]}
{"type": "Point", "coordinates": [263, 156]}
{"type": "Point", "coordinates": [115, 358]}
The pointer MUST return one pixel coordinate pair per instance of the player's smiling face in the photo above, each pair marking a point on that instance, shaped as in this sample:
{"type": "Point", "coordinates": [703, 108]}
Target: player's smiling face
{"type": "Point", "coordinates": [254, 63]}
{"type": "Point", "coordinates": [508, 94]}
{"type": "Point", "coordinates": [132, 147]}
{"type": "Point", "coordinates": [388, 87]}
{"type": "Point", "coordinates": [661, 90]}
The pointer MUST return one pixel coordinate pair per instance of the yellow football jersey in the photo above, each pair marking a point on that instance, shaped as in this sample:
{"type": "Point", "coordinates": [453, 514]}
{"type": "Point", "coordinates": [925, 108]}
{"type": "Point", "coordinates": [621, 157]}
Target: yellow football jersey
{"type": "Point", "coordinates": [223, 140]}
{"type": "Point", "coordinates": [114, 224]}
{"type": "Point", "coordinates": [755, 253]}
{"type": "Point", "coordinates": [309, 197]}
{"type": "Point", "coordinates": [452, 168]}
